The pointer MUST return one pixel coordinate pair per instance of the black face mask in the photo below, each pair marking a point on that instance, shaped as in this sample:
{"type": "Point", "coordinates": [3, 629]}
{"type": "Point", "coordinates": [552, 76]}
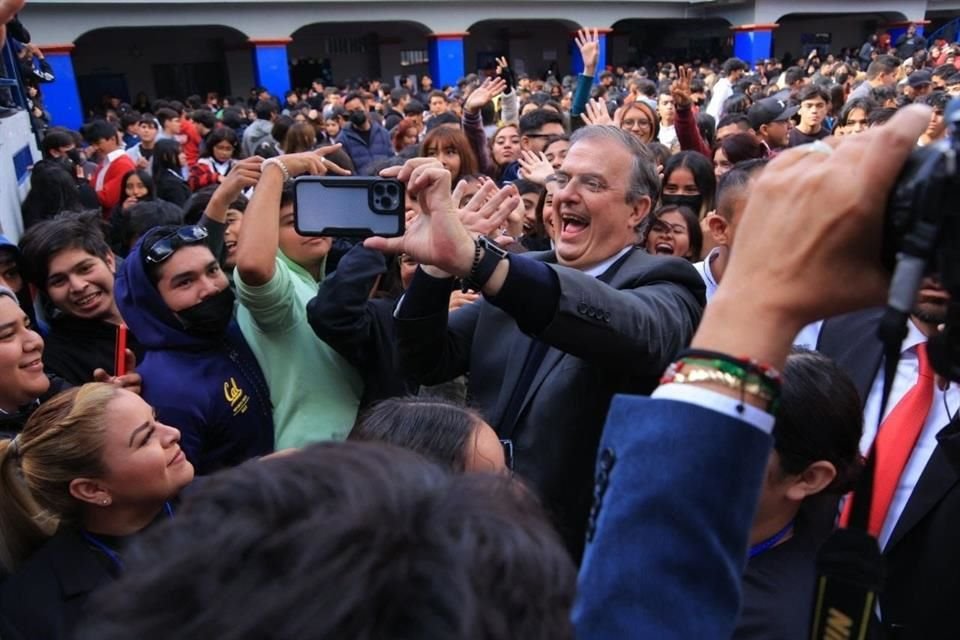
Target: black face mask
{"type": "Point", "coordinates": [75, 157]}
{"type": "Point", "coordinates": [691, 202]}
{"type": "Point", "coordinates": [358, 117]}
{"type": "Point", "coordinates": [209, 318]}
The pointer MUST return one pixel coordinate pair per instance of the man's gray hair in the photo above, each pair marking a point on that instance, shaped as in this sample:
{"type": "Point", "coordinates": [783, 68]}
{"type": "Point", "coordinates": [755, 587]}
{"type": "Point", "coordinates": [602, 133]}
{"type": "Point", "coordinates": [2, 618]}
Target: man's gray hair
{"type": "Point", "coordinates": [643, 174]}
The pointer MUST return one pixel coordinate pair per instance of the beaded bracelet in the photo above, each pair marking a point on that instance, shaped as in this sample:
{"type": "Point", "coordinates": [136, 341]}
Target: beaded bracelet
{"type": "Point", "coordinates": [764, 371]}
{"type": "Point", "coordinates": [742, 375]}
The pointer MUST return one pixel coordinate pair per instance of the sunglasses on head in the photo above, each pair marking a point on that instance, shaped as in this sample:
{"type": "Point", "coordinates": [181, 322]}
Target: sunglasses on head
{"type": "Point", "coordinates": [165, 246]}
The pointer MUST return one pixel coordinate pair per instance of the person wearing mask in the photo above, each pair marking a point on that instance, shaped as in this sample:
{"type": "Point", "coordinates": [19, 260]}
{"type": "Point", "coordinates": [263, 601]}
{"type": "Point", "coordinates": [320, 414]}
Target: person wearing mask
{"type": "Point", "coordinates": [813, 100]}
{"type": "Point", "coordinates": [689, 181]}
{"type": "Point", "coordinates": [92, 469]}
{"type": "Point", "coordinates": [815, 456]}
{"type": "Point", "coordinates": [534, 317]}
{"type": "Point", "coordinates": [114, 164]}
{"type": "Point", "coordinates": [198, 371]}
{"type": "Point", "coordinates": [365, 140]}
{"type": "Point", "coordinates": [315, 392]}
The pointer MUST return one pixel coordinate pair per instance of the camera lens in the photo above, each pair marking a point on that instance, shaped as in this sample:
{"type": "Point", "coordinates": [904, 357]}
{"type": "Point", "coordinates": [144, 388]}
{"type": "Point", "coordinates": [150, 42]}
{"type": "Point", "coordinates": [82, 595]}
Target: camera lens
{"type": "Point", "coordinates": [392, 190]}
{"type": "Point", "coordinates": [378, 189]}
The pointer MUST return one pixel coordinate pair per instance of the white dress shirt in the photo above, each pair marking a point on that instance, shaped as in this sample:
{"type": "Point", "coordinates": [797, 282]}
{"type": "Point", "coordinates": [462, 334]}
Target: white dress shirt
{"type": "Point", "coordinates": [945, 404]}
{"type": "Point", "coordinates": [721, 91]}
{"type": "Point", "coordinates": [706, 272]}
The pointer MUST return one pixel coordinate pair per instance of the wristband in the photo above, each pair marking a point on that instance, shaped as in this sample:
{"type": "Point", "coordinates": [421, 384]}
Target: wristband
{"type": "Point", "coordinates": [277, 162]}
{"type": "Point", "coordinates": [487, 255]}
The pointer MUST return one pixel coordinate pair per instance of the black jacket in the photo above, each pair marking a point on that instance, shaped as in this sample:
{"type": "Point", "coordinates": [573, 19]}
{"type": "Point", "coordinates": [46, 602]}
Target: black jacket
{"type": "Point", "coordinates": [922, 585]}
{"type": "Point", "coordinates": [172, 188]}
{"type": "Point", "coordinates": [75, 347]}
{"type": "Point", "coordinates": [46, 597]}
{"type": "Point", "coordinates": [12, 423]}
{"type": "Point", "coordinates": [358, 328]}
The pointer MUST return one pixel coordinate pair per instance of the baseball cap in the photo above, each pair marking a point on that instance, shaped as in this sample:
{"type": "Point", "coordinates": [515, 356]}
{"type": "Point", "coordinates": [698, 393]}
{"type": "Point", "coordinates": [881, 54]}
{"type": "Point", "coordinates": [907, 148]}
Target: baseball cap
{"type": "Point", "coordinates": [770, 110]}
{"type": "Point", "coordinates": [920, 78]}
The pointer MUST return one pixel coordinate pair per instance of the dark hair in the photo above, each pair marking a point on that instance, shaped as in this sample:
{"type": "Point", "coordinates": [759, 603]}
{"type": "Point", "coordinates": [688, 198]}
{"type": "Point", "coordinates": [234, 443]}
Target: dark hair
{"type": "Point", "coordinates": [280, 127]}
{"type": "Point", "coordinates": [166, 155]}
{"type": "Point", "coordinates": [144, 216]}
{"type": "Point", "coordinates": [883, 64]}
{"type": "Point", "coordinates": [707, 126]}
{"type": "Point", "coordinates": [436, 94]}
{"type": "Point", "coordinates": [94, 132]}
{"type": "Point", "coordinates": [819, 418]}
{"type": "Point", "coordinates": [793, 75]}
{"type": "Point", "coordinates": [526, 186]}
{"type": "Point", "coordinates": [413, 108]}
{"type": "Point", "coordinates": [204, 117]}
{"type": "Point", "coordinates": [399, 132]}
{"type": "Point", "coordinates": [689, 217]}
{"type": "Point", "coordinates": [397, 95]}
{"type": "Point", "coordinates": [129, 118]}
{"type": "Point", "coordinates": [145, 178]}
{"type": "Point", "coordinates": [218, 135]}
{"type": "Point", "coordinates": [538, 119]}
{"type": "Point", "coordinates": [733, 181]}
{"type": "Point", "coordinates": [738, 103]}
{"type": "Point", "coordinates": [811, 92]}
{"type": "Point", "coordinates": [302, 136]}
{"type": "Point", "coordinates": [196, 204]}
{"type": "Point", "coordinates": [42, 242]}
{"type": "Point", "coordinates": [52, 191]}
{"type": "Point", "coordinates": [880, 116]}
{"type": "Point", "coordinates": [393, 545]}
{"type": "Point", "coordinates": [433, 427]}
{"type": "Point", "coordinates": [739, 119]}
{"type": "Point", "coordinates": [265, 109]}
{"type": "Point", "coordinates": [56, 138]}
{"type": "Point", "coordinates": [734, 64]}
{"type": "Point", "coordinates": [165, 114]}
{"type": "Point", "coordinates": [700, 168]}
{"type": "Point", "coordinates": [448, 137]}
{"type": "Point", "coordinates": [742, 146]}
{"type": "Point", "coordinates": [945, 71]}
{"type": "Point", "coordinates": [232, 118]}
{"type": "Point", "coordinates": [937, 100]}
{"type": "Point", "coordinates": [660, 152]}
{"type": "Point", "coordinates": [866, 104]}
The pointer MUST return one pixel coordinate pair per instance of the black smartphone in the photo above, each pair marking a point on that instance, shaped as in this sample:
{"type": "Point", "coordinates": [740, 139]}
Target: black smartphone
{"type": "Point", "coordinates": [348, 206]}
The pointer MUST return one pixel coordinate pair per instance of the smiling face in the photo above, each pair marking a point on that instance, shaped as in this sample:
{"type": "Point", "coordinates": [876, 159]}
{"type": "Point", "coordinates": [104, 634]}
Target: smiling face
{"type": "Point", "coordinates": [231, 235]}
{"type": "Point", "coordinates": [636, 121]}
{"type": "Point", "coordinates": [22, 379]}
{"type": "Point", "coordinates": [556, 152]}
{"type": "Point", "coordinates": [669, 236]}
{"type": "Point", "coordinates": [596, 220]}
{"type": "Point", "coordinates": [142, 458]}
{"type": "Point", "coordinates": [80, 284]}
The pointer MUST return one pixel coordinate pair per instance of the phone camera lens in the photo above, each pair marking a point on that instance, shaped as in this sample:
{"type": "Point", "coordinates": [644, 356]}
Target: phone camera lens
{"type": "Point", "coordinates": [379, 189]}
{"type": "Point", "coordinates": [392, 190]}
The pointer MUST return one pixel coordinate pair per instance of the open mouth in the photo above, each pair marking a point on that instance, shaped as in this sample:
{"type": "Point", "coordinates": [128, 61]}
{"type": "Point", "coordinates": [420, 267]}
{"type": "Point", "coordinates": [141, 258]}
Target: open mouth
{"type": "Point", "coordinates": [88, 302]}
{"type": "Point", "coordinates": [571, 223]}
{"type": "Point", "coordinates": [231, 247]}
{"type": "Point", "coordinates": [663, 249]}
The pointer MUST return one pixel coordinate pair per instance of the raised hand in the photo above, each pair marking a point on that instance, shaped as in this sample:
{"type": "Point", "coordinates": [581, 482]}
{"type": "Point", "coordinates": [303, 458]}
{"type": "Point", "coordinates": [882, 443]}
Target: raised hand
{"type": "Point", "coordinates": [436, 237]}
{"type": "Point", "coordinates": [535, 167]}
{"type": "Point", "coordinates": [130, 381]}
{"type": "Point", "coordinates": [245, 173]}
{"type": "Point", "coordinates": [596, 112]}
{"type": "Point", "coordinates": [589, 44]}
{"type": "Point", "coordinates": [505, 72]}
{"type": "Point", "coordinates": [490, 89]}
{"type": "Point", "coordinates": [313, 162]}
{"type": "Point", "coordinates": [680, 90]}
{"type": "Point", "coordinates": [488, 209]}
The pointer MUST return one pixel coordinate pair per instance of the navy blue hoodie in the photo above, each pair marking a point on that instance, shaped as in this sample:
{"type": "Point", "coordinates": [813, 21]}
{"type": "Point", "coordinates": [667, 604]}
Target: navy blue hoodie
{"type": "Point", "coordinates": [211, 389]}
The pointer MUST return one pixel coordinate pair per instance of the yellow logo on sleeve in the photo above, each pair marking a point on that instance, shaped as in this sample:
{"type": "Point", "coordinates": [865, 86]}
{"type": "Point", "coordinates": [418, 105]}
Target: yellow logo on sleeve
{"type": "Point", "coordinates": [238, 399]}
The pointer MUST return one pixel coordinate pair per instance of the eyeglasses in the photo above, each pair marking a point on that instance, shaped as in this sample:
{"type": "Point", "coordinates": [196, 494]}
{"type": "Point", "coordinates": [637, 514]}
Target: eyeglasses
{"type": "Point", "coordinates": [165, 246]}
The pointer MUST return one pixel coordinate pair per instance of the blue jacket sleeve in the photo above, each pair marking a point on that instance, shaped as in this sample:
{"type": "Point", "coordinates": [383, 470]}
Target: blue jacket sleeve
{"type": "Point", "coordinates": [676, 490]}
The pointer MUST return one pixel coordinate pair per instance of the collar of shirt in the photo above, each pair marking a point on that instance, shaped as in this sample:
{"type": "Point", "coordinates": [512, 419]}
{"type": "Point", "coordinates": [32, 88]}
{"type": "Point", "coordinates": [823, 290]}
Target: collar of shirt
{"type": "Point", "coordinates": [708, 267]}
{"type": "Point", "coordinates": [598, 270]}
{"type": "Point", "coordinates": [113, 155]}
{"type": "Point", "coordinates": [914, 338]}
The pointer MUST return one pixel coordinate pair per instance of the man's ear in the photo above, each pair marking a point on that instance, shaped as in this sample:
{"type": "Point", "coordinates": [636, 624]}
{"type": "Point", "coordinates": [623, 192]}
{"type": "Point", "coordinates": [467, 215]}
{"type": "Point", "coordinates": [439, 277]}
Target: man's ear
{"type": "Point", "coordinates": [814, 479]}
{"type": "Point", "coordinates": [718, 228]}
{"type": "Point", "coordinates": [111, 261]}
{"type": "Point", "coordinates": [639, 211]}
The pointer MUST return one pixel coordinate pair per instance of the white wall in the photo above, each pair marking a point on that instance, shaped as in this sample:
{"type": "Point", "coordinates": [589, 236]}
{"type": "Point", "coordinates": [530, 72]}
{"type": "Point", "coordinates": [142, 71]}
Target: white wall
{"type": "Point", "coordinates": [15, 134]}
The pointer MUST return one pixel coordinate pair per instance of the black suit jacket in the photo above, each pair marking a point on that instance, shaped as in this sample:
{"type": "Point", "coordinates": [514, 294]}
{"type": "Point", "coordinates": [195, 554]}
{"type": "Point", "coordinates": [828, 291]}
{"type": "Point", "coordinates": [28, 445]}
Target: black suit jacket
{"type": "Point", "coordinates": [603, 339]}
{"type": "Point", "coordinates": [923, 555]}
{"type": "Point", "coordinates": [47, 596]}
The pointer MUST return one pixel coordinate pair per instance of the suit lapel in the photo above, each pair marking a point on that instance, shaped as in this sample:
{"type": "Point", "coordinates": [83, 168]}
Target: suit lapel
{"type": "Point", "coordinates": [939, 476]}
{"type": "Point", "coordinates": [851, 341]}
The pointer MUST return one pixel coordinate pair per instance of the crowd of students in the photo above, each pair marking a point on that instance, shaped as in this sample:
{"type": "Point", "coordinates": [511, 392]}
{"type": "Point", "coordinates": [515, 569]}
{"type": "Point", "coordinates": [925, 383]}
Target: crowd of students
{"type": "Point", "coordinates": [180, 365]}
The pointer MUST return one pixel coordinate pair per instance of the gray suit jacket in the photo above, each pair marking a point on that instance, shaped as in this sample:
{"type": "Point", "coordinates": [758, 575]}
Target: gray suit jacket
{"type": "Point", "coordinates": [604, 339]}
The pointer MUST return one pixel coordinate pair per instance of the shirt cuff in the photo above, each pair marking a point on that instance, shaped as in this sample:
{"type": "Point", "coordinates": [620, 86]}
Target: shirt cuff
{"type": "Point", "coordinates": [709, 399]}
{"type": "Point", "coordinates": [530, 294]}
{"type": "Point", "coordinates": [425, 297]}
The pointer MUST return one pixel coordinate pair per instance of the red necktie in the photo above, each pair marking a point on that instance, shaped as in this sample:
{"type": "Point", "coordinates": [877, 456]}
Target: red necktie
{"type": "Point", "coordinates": [894, 443]}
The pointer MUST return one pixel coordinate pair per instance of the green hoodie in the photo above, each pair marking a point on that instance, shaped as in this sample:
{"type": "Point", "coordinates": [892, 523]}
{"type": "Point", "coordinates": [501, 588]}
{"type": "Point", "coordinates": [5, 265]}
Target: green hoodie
{"type": "Point", "coordinates": [315, 392]}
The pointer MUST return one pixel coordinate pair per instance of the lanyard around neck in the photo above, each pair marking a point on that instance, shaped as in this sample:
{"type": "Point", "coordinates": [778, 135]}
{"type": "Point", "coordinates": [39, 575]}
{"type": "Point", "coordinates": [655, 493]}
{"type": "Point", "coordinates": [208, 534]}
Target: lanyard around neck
{"type": "Point", "coordinates": [112, 555]}
{"type": "Point", "coordinates": [772, 541]}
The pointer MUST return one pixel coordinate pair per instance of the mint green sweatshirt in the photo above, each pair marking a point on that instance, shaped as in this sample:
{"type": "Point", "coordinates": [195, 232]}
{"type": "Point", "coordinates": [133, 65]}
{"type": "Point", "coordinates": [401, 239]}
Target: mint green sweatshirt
{"type": "Point", "coordinates": [315, 392]}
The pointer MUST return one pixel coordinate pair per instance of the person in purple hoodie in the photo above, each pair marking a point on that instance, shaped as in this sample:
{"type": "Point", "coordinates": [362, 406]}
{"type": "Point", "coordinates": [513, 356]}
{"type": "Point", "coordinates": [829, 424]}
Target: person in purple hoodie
{"type": "Point", "coordinates": [198, 372]}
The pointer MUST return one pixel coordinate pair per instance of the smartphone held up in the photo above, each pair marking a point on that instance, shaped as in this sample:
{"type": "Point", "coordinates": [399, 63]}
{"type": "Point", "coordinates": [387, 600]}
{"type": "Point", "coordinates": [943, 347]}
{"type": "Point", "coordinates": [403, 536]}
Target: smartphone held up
{"type": "Point", "coordinates": [351, 206]}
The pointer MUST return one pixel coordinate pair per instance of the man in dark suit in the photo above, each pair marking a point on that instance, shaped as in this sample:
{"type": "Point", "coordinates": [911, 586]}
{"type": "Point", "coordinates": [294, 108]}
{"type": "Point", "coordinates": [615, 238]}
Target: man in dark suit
{"type": "Point", "coordinates": [557, 333]}
{"type": "Point", "coordinates": [678, 475]}
{"type": "Point", "coordinates": [918, 530]}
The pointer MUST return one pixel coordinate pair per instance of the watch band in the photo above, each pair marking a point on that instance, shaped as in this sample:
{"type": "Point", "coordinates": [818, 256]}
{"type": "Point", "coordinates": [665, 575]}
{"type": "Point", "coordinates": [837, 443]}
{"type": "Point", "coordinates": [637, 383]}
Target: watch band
{"type": "Point", "coordinates": [492, 254]}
